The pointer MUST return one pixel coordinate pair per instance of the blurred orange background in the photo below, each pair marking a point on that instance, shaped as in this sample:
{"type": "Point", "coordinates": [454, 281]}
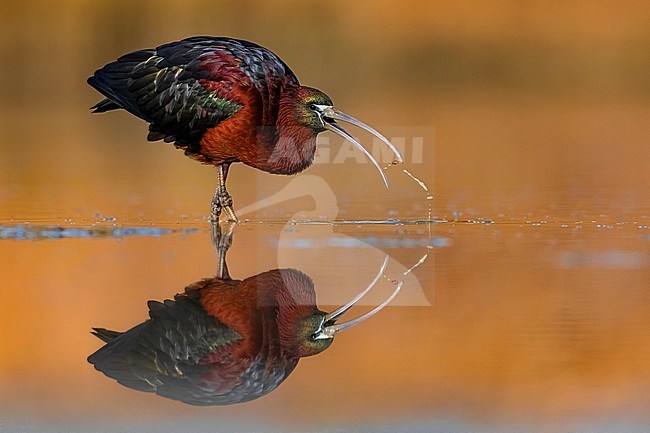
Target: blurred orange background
{"type": "Point", "coordinates": [532, 111]}
{"type": "Point", "coordinates": [535, 106]}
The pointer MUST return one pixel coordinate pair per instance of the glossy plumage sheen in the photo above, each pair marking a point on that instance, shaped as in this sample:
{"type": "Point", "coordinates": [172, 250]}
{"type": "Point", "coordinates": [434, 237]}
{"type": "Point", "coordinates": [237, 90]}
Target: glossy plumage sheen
{"type": "Point", "coordinates": [224, 100]}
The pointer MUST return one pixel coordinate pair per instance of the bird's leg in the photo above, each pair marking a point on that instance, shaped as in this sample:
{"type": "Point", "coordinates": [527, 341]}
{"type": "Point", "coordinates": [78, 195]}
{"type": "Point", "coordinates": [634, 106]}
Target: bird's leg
{"type": "Point", "coordinates": [222, 241]}
{"type": "Point", "coordinates": [221, 199]}
{"type": "Point", "coordinates": [215, 208]}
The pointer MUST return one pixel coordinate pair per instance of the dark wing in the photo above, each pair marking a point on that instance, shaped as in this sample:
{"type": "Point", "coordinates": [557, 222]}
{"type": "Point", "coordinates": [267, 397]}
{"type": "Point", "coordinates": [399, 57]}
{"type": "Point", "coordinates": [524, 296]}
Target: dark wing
{"type": "Point", "coordinates": [184, 88]}
{"type": "Point", "coordinates": [163, 354]}
{"type": "Point", "coordinates": [265, 71]}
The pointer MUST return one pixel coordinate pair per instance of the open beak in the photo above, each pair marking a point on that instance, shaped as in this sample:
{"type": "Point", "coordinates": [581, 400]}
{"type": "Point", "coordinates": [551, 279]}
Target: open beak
{"type": "Point", "coordinates": [330, 114]}
{"type": "Point", "coordinates": [329, 327]}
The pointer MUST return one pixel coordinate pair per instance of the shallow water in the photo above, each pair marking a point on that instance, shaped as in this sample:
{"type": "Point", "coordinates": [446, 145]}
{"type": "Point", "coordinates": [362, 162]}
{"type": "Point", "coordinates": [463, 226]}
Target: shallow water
{"type": "Point", "coordinates": [525, 261]}
{"type": "Point", "coordinates": [504, 326]}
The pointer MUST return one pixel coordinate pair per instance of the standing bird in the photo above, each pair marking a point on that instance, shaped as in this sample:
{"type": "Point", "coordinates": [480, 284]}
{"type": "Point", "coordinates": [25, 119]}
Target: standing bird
{"type": "Point", "coordinates": [225, 100]}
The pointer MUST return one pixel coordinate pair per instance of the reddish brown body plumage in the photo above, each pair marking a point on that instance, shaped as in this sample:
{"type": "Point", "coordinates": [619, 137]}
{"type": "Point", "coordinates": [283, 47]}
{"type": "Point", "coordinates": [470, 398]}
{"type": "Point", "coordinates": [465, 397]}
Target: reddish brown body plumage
{"type": "Point", "coordinates": [285, 148]}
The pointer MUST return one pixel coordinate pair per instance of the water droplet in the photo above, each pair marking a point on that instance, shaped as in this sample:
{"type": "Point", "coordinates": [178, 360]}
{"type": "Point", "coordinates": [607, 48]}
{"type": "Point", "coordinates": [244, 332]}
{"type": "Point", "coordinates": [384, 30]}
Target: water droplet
{"type": "Point", "coordinates": [422, 184]}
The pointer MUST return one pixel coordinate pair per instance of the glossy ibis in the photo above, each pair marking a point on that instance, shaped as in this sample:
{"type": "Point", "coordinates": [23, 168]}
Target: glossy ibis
{"type": "Point", "coordinates": [225, 100]}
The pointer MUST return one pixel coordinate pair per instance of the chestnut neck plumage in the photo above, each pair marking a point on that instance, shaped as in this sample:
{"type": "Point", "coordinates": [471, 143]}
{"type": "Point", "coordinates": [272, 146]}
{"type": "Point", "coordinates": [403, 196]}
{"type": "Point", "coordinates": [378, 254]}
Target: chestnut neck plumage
{"type": "Point", "coordinates": [290, 294]}
{"type": "Point", "coordinates": [294, 144]}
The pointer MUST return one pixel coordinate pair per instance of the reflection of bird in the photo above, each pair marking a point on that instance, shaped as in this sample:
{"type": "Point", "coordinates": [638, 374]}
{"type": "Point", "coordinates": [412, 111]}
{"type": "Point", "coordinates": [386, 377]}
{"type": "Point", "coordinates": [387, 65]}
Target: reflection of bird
{"type": "Point", "coordinates": [225, 100]}
{"type": "Point", "coordinates": [225, 341]}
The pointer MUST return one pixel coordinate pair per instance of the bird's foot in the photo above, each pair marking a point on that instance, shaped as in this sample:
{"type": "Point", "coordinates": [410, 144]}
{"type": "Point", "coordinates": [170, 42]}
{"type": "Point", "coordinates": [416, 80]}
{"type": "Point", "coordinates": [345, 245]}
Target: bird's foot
{"type": "Point", "coordinates": [215, 210]}
{"type": "Point", "coordinates": [230, 214]}
{"type": "Point", "coordinates": [222, 201]}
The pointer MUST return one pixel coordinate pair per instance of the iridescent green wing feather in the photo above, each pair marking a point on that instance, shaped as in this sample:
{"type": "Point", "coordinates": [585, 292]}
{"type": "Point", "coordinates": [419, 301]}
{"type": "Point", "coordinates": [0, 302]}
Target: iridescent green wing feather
{"type": "Point", "coordinates": [169, 88]}
{"type": "Point", "coordinates": [163, 350]}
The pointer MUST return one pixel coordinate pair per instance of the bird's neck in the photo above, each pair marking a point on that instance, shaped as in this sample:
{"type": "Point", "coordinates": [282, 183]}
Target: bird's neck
{"type": "Point", "coordinates": [284, 297]}
{"type": "Point", "coordinates": [295, 144]}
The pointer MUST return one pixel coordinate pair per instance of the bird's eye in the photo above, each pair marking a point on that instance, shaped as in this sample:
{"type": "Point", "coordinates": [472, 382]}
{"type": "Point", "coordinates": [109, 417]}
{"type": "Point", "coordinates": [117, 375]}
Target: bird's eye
{"type": "Point", "coordinates": [312, 107]}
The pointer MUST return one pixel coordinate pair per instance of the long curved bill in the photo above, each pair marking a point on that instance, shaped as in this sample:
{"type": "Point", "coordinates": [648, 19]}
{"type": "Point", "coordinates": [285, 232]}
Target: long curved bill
{"type": "Point", "coordinates": [330, 114]}
{"type": "Point", "coordinates": [333, 329]}
{"type": "Point", "coordinates": [336, 128]}
{"type": "Point", "coordinates": [329, 327]}
{"type": "Point", "coordinates": [334, 315]}
{"type": "Point", "coordinates": [338, 115]}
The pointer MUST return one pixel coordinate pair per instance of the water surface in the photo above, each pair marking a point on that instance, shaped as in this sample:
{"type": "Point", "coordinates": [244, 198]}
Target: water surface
{"type": "Point", "coordinates": [526, 263]}
{"type": "Point", "coordinates": [505, 325]}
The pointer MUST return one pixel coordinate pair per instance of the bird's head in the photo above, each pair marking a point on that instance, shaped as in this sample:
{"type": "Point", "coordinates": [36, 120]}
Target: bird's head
{"type": "Point", "coordinates": [305, 331]}
{"type": "Point", "coordinates": [315, 110]}
{"type": "Point", "coordinates": [315, 332]}
{"type": "Point", "coordinates": [307, 108]}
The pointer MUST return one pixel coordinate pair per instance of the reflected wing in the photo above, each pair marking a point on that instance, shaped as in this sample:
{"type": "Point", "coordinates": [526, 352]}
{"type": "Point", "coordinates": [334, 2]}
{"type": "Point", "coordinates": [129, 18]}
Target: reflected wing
{"type": "Point", "coordinates": [159, 353]}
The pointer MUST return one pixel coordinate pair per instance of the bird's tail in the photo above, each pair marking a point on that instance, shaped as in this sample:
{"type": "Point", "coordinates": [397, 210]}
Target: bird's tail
{"type": "Point", "coordinates": [112, 81]}
{"type": "Point", "coordinates": [104, 105]}
{"type": "Point", "coordinates": [105, 335]}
